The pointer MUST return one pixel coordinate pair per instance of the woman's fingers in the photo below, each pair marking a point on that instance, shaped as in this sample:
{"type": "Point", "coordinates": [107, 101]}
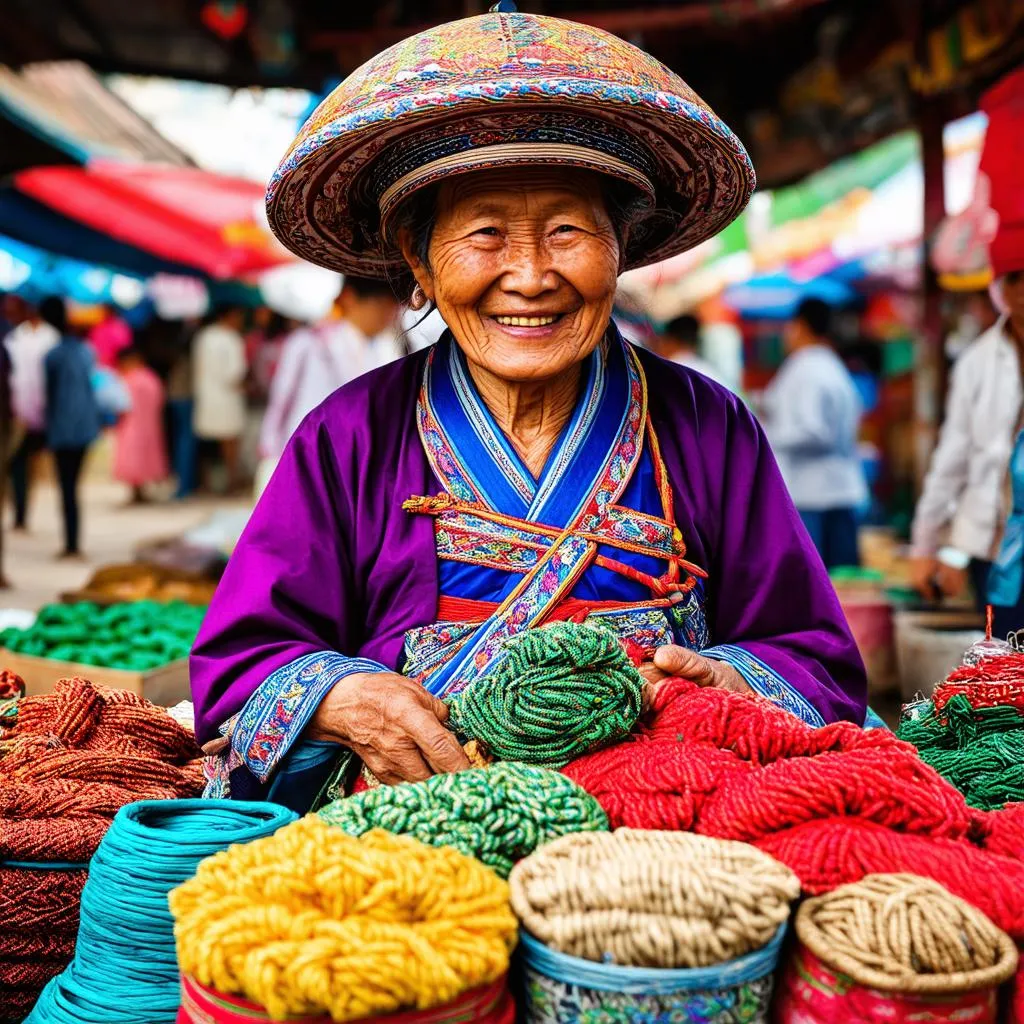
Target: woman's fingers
{"type": "Point", "coordinates": [439, 746]}
{"type": "Point", "coordinates": [679, 661]}
{"type": "Point", "coordinates": [398, 764]}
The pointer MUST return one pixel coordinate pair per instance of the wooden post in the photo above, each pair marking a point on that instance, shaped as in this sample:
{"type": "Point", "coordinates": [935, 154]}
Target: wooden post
{"type": "Point", "coordinates": [930, 363]}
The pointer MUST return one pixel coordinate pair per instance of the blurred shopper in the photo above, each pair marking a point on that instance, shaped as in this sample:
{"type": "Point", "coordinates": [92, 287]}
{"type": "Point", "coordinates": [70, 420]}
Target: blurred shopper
{"type": "Point", "coordinates": [72, 413]}
{"type": "Point", "coordinates": [316, 361]}
{"type": "Point", "coordinates": [1002, 585]}
{"type": "Point", "coordinates": [110, 337]}
{"type": "Point", "coordinates": [27, 344]}
{"type": "Point", "coordinates": [812, 413]}
{"type": "Point", "coordinates": [140, 451]}
{"type": "Point", "coordinates": [219, 371]}
{"type": "Point", "coordinates": [680, 343]}
{"type": "Point", "coordinates": [180, 408]}
{"type": "Point", "coordinates": [958, 516]}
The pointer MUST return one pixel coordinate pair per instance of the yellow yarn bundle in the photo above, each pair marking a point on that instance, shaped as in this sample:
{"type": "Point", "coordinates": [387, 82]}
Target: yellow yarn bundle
{"type": "Point", "coordinates": [311, 921]}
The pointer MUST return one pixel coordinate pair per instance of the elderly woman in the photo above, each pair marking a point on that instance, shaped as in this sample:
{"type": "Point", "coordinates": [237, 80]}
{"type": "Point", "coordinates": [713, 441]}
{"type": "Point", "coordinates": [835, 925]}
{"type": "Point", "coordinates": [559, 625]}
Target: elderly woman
{"type": "Point", "coordinates": [531, 466]}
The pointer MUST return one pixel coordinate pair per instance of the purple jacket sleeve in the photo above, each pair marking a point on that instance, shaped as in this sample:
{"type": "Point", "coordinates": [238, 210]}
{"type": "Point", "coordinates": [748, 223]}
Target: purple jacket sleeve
{"type": "Point", "coordinates": [775, 615]}
{"type": "Point", "coordinates": [288, 592]}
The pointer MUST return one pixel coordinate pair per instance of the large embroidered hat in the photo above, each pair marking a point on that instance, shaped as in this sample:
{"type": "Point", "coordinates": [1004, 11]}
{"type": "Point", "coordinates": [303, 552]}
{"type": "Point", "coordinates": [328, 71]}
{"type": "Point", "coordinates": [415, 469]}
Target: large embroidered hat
{"type": "Point", "coordinates": [503, 89]}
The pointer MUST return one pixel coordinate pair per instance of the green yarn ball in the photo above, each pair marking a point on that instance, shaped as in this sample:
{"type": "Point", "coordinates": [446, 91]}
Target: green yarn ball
{"type": "Point", "coordinates": [558, 692]}
{"type": "Point", "coordinates": [499, 814]}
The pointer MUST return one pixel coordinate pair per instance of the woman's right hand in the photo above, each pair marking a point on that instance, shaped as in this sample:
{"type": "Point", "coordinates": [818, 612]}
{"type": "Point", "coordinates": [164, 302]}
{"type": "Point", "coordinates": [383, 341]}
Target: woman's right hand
{"type": "Point", "coordinates": [923, 573]}
{"type": "Point", "coordinates": [392, 723]}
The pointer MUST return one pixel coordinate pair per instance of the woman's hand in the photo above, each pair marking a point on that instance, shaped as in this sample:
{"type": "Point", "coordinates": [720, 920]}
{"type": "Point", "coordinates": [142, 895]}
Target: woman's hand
{"type": "Point", "coordinates": [673, 660]}
{"type": "Point", "coordinates": [392, 723]}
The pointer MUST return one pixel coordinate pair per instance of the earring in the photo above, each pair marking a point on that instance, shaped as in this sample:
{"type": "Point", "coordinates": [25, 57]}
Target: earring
{"type": "Point", "coordinates": [418, 299]}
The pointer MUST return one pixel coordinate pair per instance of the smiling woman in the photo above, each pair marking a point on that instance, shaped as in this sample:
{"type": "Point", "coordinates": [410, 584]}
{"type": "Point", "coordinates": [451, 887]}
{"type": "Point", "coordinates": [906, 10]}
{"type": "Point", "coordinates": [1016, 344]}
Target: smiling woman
{"type": "Point", "coordinates": [532, 466]}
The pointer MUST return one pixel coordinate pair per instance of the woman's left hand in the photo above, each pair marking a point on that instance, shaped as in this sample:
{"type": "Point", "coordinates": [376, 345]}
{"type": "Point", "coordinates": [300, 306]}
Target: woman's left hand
{"type": "Point", "coordinates": [673, 660]}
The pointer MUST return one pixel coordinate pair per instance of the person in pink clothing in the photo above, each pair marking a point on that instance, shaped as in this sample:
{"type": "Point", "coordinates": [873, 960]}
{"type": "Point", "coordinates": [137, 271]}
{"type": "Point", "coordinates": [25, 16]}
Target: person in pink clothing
{"type": "Point", "coordinates": [110, 337]}
{"type": "Point", "coordinates": [140, 452]}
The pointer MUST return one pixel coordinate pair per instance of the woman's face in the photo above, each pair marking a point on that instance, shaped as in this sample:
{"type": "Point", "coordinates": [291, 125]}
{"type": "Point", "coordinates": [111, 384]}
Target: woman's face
{"type": "Point", "coordinates": [523, 265]}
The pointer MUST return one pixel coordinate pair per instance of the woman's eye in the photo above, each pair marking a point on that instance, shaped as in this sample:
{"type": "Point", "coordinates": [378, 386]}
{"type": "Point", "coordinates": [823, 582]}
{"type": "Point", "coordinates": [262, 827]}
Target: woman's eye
{"type": "Point", "coordinates": [489, 231]}
{"type": "Point", "coordinates": [564, 228]}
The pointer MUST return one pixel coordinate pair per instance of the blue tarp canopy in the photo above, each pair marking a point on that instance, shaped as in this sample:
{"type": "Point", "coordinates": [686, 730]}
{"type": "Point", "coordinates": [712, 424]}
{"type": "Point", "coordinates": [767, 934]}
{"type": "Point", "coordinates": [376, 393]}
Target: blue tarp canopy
{"type": "Point", "coordinates": [34, 273]}
{"type": "Point", "coordinates": [776, 296]}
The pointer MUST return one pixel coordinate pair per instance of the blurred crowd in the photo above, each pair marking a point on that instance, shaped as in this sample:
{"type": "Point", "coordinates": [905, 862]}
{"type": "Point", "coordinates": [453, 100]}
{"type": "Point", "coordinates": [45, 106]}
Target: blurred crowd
{"type": "Point", "coordinates": [193, 405]}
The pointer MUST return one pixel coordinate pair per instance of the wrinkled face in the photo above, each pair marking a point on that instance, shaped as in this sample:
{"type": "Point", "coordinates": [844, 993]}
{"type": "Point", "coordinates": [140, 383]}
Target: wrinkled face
{"type": "Point", "coordinates": [522, 266]}
{"type": "Point", "coordinates": [1013, 294]}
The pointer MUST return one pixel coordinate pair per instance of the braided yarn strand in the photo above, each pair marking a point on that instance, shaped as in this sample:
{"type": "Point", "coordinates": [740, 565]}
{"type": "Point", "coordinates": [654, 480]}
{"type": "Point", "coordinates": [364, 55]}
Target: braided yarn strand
{"type": "Point", "coordinates": [497, 814]}
{"type": "Point", "coordinates": [903, 933]}
{"type": "Point", "coordinates": [312, 920]}
{"type": "Point", "coordinates": [652, 899]}
{"type": "Point", "coordinates": [558, 692]}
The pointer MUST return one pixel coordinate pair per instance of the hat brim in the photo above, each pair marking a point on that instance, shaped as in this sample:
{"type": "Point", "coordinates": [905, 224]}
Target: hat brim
{"type": "Point", "coordinates": [703, 177]}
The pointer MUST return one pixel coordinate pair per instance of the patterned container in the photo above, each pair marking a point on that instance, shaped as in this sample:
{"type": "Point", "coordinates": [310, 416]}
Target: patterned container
{"type": "Point", "coordinates": [562, 989]}
{"type": "Point", "coordinates": [811, 993]}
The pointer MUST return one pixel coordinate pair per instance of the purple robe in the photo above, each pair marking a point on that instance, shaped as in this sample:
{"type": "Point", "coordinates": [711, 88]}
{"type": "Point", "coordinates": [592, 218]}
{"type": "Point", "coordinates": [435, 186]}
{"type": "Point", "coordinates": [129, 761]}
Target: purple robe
{"type": "Point", "coordinates": [330, 562]}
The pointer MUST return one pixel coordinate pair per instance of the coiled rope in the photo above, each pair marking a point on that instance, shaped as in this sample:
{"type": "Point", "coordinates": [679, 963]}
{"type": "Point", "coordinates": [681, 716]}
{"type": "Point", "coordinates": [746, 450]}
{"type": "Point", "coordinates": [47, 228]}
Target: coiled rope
{"type": "Point", "coordinates": [312, 920]}
{"type": "Point", "coordinates": [903, 933]}
{"type": "Point", "coordinates": [558, 692]}
{"type": "Point", "coordinates": [125, 970]}
{"type": "Point", "coordinates": [497, 814]}
{"type": "Point", "coordinates": [652, 899]}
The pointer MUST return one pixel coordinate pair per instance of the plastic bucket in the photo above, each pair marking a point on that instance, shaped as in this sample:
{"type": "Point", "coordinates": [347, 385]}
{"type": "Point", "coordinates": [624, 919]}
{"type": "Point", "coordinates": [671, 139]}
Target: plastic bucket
{"type": "Point", "coordinates": [563, 989]}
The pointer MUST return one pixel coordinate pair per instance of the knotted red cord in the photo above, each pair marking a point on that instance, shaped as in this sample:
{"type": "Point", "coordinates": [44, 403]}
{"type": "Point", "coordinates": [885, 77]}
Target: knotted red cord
{"type": "Point", "coordinates": [894, 788]}
{"type": "Point", "coordinates": [826, 854]}
{"type": "Point", "coordinates": [655, 784]}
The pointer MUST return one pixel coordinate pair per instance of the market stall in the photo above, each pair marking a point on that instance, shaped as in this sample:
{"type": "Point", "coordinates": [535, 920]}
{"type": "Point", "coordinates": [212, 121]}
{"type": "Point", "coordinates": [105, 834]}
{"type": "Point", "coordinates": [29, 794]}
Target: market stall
{"type": "Point", "coordinates": [643, 863]}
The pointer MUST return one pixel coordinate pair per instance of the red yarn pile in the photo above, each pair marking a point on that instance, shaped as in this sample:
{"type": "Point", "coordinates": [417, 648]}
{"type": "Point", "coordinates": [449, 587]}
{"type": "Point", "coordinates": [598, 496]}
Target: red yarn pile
{"type": "Point", "coordinates": [72, 759]}
{"type": "Point", "coordinates": [834, 803]}
{"type": "Point", "coordinates": [990, 683]}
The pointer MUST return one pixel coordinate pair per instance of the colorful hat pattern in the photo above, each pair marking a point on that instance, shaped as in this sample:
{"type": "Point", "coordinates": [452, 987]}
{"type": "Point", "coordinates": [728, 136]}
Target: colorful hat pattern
{"type": "Point", "coordinates": [497, 90]}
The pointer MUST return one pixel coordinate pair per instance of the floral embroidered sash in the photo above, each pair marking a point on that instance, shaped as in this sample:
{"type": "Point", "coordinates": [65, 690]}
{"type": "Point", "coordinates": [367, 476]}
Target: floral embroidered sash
{"type": "Point", "coordinates": [547, 531]}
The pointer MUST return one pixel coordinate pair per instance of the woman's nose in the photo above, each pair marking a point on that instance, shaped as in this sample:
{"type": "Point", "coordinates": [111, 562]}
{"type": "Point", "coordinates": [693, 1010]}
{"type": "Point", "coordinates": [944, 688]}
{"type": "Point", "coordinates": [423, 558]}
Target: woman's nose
{"type": "Point", "coordinates": [528, 271]}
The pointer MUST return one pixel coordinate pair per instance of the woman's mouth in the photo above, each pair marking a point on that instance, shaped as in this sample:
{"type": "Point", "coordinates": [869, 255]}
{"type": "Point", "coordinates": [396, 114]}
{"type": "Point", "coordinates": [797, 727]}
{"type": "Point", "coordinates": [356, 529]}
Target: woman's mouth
{"type": "Point", "coordinates": [527, 321]}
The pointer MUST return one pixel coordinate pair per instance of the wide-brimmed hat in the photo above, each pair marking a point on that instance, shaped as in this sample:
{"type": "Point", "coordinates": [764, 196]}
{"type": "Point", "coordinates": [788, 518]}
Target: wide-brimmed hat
{"type": "Point", "coordinates": [502, 90]}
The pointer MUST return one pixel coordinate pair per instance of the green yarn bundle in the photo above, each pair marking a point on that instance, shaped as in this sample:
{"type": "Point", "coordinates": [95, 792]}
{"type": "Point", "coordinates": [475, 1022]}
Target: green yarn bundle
{"type": "Point", "coordinates": [497, 814]}
{"type": "Point", "coordinates": [980, 750]}
{"type": "Point", "coordinates": [138, 636]}
{"type": "Point", "coordinates": [560, 691]}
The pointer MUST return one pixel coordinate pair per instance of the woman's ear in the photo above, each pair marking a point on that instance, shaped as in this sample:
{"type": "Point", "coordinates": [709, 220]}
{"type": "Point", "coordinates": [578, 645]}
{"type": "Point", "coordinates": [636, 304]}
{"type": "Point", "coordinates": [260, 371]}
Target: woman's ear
{"type": "Point", "coordinates": [419, 269]}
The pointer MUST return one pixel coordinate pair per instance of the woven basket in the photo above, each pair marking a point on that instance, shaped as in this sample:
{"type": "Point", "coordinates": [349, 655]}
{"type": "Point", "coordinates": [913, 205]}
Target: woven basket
{"type": "Point", "coordinates": [562, 989]}
{"type": "Point", "coordinates": [491, 1004]}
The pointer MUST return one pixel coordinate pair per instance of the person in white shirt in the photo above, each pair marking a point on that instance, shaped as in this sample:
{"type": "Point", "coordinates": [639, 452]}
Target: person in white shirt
{"type": "Point", "coordinates": [219, 369]}
{"type": "Point", "coordinates": [812, 415]}
{"type": "Point", "coordinates": [680, 343]}
{"type": "Point", "coordinates": [27, 346]}
{"type": "Point", "coordinates": [959, 515]}
{"type": "Point", "coordinates": [317, 360]}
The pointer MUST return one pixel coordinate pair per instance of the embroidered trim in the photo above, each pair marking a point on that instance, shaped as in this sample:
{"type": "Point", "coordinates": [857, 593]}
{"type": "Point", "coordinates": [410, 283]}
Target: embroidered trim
{"type": "Point", "coordinates": [766, 681]}
{"type": "Point", "coordinates": [275, 715]}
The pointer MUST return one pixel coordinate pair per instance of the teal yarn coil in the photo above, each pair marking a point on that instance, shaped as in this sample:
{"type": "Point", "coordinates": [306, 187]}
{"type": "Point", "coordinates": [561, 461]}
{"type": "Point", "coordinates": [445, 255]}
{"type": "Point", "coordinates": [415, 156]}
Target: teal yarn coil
{"type": "Point", "coordinates": [125, 969]}
{"type": "Point", "coordinates": [497, 814]}
{"type": "Point", "coordinates": [557, 692]}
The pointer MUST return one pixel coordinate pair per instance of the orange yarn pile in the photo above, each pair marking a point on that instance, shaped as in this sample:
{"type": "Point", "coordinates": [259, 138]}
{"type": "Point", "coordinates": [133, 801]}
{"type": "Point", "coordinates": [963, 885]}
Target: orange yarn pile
{"type": "Point", "coordinates": [72, 759]}
{"type": "Point", "coordinates": [833, 804]}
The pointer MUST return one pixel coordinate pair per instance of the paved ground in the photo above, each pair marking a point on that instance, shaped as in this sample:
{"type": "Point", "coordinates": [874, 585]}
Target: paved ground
{"type": "Point", "coordinates": [111, 530]}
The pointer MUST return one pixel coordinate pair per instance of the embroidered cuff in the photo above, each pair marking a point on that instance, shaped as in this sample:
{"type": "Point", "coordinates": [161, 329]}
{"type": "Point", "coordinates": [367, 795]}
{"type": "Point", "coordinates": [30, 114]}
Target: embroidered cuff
{"type": "Point", "coordinates": [765, 681]}
{"type": "Point", "coordinates": [274, 717]}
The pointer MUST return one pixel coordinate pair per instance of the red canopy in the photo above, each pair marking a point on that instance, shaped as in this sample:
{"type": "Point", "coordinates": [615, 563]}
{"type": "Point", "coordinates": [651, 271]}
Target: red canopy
{"type": "Point", "coordinates": [208, 221]}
